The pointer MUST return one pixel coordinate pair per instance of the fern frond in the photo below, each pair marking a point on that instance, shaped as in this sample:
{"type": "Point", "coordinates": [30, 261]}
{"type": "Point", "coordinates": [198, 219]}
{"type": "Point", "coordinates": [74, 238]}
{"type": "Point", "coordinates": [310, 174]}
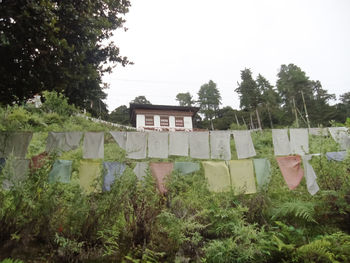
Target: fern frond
{"type": "Point", "coordinates": [316, 251]}
{"type": "Point", "coordinates": [302, 210]}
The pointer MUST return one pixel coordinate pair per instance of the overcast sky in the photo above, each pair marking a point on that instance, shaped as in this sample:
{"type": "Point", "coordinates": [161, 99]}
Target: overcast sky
{"type": "Point", "coordinates": [179, 45]}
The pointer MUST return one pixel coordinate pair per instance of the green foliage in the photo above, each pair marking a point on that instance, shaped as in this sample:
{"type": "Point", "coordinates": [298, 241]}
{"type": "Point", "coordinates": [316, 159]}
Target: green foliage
{"type": "Point", "coordinates": [120, 115]}
{"type": "Point", "coordinates": [185, 99]}
{"type": "Point", "coordinates": [140, 100]}
{"type": "Point", "coordinates": [328, 248]}
{"type": "Point", "coordinates": [248, 91]}
{"type": "Point", "coordinates": [56, 45]}
{"type": "Point", "coordinates": [234, 126]}
{"type": "Point", "coordinates": [133, 223]}
{"type": "Point", "coordinates": [209, 99]}
{"type": "Point", "coordinates": [296, 211]}
{"type": "Point", "coordinates": [8, 260]}
{"type": "Point", "coordinates": [57, 103]}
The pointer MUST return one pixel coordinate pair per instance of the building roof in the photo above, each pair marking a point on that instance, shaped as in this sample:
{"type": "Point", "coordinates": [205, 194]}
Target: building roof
{"type": "Point", "coordinates": [156, 108]}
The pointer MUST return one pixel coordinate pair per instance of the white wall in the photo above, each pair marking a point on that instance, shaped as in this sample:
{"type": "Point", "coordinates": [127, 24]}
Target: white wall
{"type": "Point", "coordinates": [156, 121]}
{"type": "Point", "coordinates": [141, 123]}
{"type": "Point", "coordinates": [171, 122]}
{"type": "Point", "coordinates": [188, 123]}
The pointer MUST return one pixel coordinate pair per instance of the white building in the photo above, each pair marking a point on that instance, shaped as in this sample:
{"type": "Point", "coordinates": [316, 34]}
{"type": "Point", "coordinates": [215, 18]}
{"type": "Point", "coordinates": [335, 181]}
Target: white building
{"type": "Point", "coordinates": [162, 117]}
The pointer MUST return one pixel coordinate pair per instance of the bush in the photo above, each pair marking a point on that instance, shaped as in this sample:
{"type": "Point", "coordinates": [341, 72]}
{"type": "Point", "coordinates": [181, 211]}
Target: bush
{"type": "Point", "coordinates": [58, 103]}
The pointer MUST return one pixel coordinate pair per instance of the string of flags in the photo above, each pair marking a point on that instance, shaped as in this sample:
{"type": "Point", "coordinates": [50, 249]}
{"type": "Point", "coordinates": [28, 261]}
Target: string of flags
{"type": "Point", "coordinates": [238, 175]}
{"type": "Point", "coordinates": [197, 145]}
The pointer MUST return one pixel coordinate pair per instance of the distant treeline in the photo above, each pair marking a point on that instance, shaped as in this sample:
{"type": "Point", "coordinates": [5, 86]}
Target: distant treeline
{"type": "Point", "coordinates": [295, 100]}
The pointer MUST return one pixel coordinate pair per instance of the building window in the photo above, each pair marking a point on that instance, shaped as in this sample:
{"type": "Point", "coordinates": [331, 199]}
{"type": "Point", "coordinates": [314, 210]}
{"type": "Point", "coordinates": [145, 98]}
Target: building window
{"type": "Point", "coordinates": [179, 121]}
{"type": "Point", "coordinates": [149, 120]}
{"type": "Point", "coordinates": [164, 121]}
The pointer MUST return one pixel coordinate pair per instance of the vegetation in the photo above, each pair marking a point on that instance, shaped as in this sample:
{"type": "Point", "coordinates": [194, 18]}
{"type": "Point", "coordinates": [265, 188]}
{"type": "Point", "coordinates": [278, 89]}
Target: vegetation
{"type": "Point", "coordinates": [134, 223]}
{"type": "Point", "coordinates": [61, 46]}
{"type": "Point", "coordinates": [185, 99]}
{"type": "Point", "coordinates": [140, 100]}
{"type": "Point", "coordinates": [295, 100]}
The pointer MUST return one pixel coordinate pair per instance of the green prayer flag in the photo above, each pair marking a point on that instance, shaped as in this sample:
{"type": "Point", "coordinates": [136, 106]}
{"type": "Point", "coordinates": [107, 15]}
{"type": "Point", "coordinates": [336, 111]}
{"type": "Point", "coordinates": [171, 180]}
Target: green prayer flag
{"type": "Point", "coordinates": [262, 172]}
{"type": "Point", "coordinates": [186, 167]}
{"type": "Point", "coordinates": [218, 176]}
{"type": "Point", "coordinates": [89, 175]}
{"type": "Point", "coordinates": [61, 171]}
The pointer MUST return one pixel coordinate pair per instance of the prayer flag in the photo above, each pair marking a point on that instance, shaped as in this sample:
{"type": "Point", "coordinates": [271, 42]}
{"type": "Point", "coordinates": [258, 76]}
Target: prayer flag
{"type": "Point", "coordinates": [218, 176]}
{"type": "Point", "coordinates": [199, 145]}
{"type": "Point", "coordinates": [89, 175]}
{"type": "Point", "coordinates": [262, 172]}
{"type": "Point", "coordinates": [244, 144]}
{"type": "Point", "coordinates": [290, 167]}
{"type": "Point", "coordinates": [93, 147]}
{"type": "Point", "coordinates": [158, 144]}
{"type": "Point", "coordinates": [280, 141]}
{"type": "Point", "coordinates": [136, 145]}
{"type": "Point", "coordinates": [160, 171]}
{"type": "Point", "coordinates": [242, 176]}
{"type": "Point", "coordinates": [220, 145]}
{"type": "Point", "coordinates": [61, 171]}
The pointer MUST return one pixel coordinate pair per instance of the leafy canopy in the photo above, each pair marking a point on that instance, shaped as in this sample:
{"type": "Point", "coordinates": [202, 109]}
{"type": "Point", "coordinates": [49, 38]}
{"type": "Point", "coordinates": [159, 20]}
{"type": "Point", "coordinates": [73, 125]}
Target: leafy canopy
{"type": "Point", "coordinates": [59, 45]}
{"type": "Point", "coordinates": [209, 99]}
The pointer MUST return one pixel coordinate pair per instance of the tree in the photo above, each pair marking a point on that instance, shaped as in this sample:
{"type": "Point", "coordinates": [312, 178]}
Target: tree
{"type": "Point", "coordinates": [319, 109]}
{"type": "Point", "coordinates": [140, 100]}
{"type": "Point", "coordinates": [342, 109]}
{"type": "Point", "coordinates": [120, 115]}
{"type": "Point", "coordinates": [185, 99]}
{"type": "Point", "coordinates": [248, 91]}
{"type": "Point", "coordinates": [291, 82]}
{"type": "Point", "coordinates": [345, 98]}
{"type": "Point", "coordinates": [209, 100]}
{"type": "Point", "coordinates": [226, 116]}
{"type": "Point", "coordinates": [310, 99]}
{"type": "Point", "coordinates": [270, 101]}
{"type": "Point", "coordinates": [58, 45]}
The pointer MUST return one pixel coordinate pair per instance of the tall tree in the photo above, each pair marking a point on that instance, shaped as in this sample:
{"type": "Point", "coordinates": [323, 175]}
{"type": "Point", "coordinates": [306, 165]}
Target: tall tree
{"type": "Point", "coordinates": [209, 100]}
{"type": "Point", "coordinates": [342, 109]}
{"type": "Point", "coordinates": [310, 99]}
{"type": "Point", "coordinates": [58, 45]}
{"type": "Point", "coordinates": [140, 100]}
{"type": "Point", "coordinates": [248, 91]}
{"type": "Point", "coordinates": [185, 99]}
{"type": "Point", "coordinates": [269, 100]}
{"type": "Point", "coordinates": [291, 82]}
{"type": "Point", "coordinates": [319, 109]}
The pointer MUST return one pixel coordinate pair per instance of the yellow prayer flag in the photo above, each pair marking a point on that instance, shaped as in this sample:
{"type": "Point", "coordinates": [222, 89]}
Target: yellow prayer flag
{"type": "Point", "coordinates": [90, 175]}
{"type": "Point", "coordinates": [218, 176]}
{"type": "Point", "coordinates": [242, 176]}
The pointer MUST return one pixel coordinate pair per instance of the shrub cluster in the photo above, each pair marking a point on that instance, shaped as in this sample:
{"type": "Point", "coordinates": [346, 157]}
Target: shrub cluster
{"type": "Point", "coordinates": [133, 223]}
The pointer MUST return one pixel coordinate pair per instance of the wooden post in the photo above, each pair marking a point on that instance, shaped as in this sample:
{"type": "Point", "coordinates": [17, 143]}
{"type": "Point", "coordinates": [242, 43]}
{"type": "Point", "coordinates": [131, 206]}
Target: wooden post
{"type": "Point", "coordinates": [237, 120]}
{"type": "Point", "coordinates": [306, 115]}
{"type": "Point", "coordinates": [251, 122]}
{"type": "Point", "coordinates": [244, 122]}
{"type": "Point", "coordinates": [268, 111]}
{"type": "Point", "coordinates": [258, 117]}
{"type": "Point", "coordinates": [296, 114]}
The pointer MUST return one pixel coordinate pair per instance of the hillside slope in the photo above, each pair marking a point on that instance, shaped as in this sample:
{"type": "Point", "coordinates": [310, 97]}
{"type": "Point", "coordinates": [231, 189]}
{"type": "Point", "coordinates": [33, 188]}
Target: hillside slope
{"type": "Point", "coordinates": [134, 223]}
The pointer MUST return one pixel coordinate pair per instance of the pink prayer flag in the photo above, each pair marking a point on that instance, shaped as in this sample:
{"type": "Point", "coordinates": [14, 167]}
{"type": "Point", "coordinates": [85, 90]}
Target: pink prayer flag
{"type": "Point", "coordinates": [291, 170]}
{"type": "Point", "coordinates": [160, 171]}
